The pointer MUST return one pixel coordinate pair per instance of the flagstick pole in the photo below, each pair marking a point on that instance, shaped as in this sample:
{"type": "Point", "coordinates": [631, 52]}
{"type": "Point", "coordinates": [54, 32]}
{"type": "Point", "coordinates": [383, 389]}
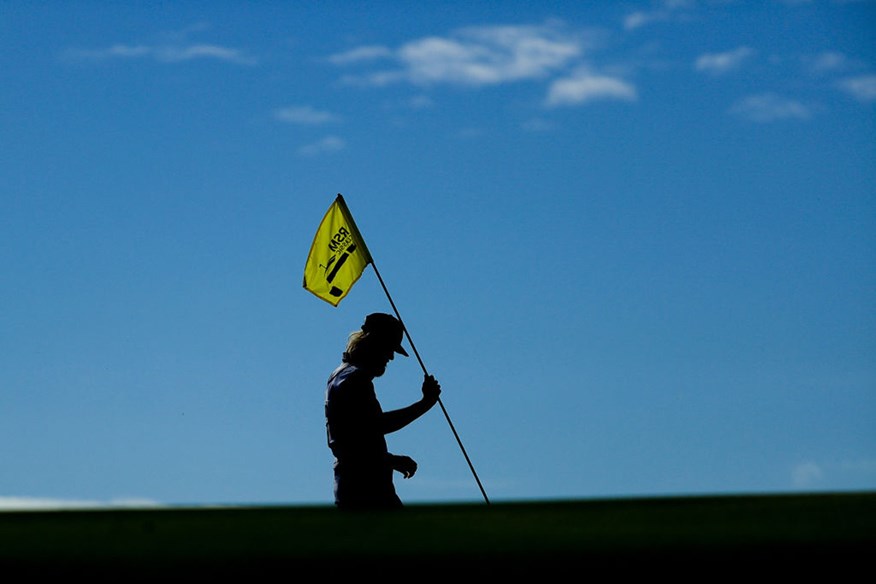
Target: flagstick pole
{"type": "Point", "coordinates": [417, 354]}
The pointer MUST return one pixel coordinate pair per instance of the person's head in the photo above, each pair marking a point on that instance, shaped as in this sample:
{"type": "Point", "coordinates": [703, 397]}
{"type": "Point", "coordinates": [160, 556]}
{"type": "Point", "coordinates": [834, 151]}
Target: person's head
{"type": "Point", "coordinates": [375, 345]}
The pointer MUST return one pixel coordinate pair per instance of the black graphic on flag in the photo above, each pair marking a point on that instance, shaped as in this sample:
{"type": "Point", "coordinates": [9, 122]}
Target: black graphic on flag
{"type": "Point", "coordinates": [335, 291]}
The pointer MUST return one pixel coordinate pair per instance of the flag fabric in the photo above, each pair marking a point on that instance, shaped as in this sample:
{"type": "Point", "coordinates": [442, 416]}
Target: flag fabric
{"type": "Point", "coordinates": [337, 257]}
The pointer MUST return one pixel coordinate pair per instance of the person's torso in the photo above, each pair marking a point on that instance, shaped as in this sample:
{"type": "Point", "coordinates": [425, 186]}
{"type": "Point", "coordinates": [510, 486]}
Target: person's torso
{"type": "Point", "coordinates": [353, 415]}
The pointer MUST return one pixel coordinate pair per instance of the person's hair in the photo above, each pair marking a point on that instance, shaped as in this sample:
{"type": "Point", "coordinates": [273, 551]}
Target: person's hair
{"type": "Point", "coordinates": [354, 339]}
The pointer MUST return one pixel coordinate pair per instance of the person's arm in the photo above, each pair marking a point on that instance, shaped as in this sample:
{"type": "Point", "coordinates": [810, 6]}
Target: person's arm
{"type": "Point", "coordinates": [398, 419]}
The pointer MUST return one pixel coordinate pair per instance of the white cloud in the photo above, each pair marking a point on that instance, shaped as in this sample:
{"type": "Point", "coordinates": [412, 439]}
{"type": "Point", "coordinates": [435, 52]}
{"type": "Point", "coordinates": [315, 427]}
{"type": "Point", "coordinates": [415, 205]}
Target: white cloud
{"type": "Point", "coordinates": [327, 145]}
{"type": "Point", "coordinates": [769, 107]}
{"type": "Point", "coordinates": [171, 47]}
{"type": "Point", "coordinates": [638, 19]}
{"type": "Point", "coordinates": [806, 475]}
{"type": "Point", "coordinates": [862, 88]}
{"type": "Point", "coordinates": [829, 61]}
{"type": "Point", "coordinates": [420, 102]}
{"type": "Point", "coordinates": [717, 63]}
{"type": "Point", "coordinates": [120, 51]}
{"type": "Point", "coordinates": [36, 503]}
{"type": "Point", "coordinates": [585, 87]}
{"type": "Point", "coordinates": [811, 474]}
{"type": "Point", "coordinates": [484, 56]}
{"type": "Point", "coordinates": [187, 53]}
{"type": "Point", "coordinates": [475, 56]}
{"type": "Point", "coordinates": [663, 11]}
{"type": "Point", "coordinates": [163, 53]}
{"type": "Point", "coordinates": [360, 54]}
{"type": "Point", "coordinates": [304, 114]}
{"type": "Point", "coordinates": [378, 79]}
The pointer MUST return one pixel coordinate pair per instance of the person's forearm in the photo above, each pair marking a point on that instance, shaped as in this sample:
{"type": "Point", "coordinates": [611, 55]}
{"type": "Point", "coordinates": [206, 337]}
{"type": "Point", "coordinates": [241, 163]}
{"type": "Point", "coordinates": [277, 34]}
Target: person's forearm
{"type": "Point", "coordinates": [398, 419]}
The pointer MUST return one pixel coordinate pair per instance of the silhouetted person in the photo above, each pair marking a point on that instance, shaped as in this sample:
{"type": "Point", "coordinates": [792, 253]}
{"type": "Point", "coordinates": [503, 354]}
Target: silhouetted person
{"type": "Point", "coordinates": [356, 424]}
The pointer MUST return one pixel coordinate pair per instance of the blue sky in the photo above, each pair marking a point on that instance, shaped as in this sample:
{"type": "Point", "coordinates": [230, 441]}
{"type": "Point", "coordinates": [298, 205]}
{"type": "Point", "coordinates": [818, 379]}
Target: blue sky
{"type": "Point", "coordinates": [633, 240]}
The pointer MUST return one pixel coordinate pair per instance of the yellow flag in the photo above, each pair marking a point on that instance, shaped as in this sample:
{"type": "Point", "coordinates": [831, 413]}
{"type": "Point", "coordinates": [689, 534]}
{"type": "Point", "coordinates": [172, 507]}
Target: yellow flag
{"type": "Point", "coordinates": [337, 257]}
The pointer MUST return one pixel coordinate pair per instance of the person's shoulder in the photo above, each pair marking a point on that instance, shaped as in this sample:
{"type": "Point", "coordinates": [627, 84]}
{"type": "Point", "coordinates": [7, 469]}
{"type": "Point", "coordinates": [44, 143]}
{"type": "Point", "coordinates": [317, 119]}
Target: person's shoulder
{"type": "Point", "coordinates": [349, 386]}
{"type": "Point", "coordinates": [349, 374]}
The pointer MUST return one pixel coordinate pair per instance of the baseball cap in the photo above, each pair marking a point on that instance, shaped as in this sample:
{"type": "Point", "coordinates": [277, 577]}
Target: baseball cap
{"type": "Point", "coordinates": [386, 326]}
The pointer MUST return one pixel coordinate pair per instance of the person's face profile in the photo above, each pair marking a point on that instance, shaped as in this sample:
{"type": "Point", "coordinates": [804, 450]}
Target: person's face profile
{"type": "Point", "coordinates": [380, 353]}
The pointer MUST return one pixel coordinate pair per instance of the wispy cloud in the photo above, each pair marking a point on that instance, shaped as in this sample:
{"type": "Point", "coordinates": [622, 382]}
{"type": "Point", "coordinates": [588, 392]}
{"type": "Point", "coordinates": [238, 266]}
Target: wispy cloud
{"type": "Point", "coordinates": [769, 107]}
{"type": "Point", "coordinates": [584, 87]}
{"type": "Point", "coordinates": [419, 102]}
{"type": "Point", "coordinates": [663, 10]}
{"type": "Point", "coordinates": [719, 63]}
{"type": "Point", "coordinates": [812, 474]}
{"type": "Point", "coordinates": [490, 56]}
{"type": "Point", "coordinates": [806, 475]}
{"type": "Point", "coordinates": [474, 56]}
{"type": "Point", "coordinates": [862, 88]}
{"type": "Point", "coordinates": [37, 503]}
{"type": "Point", "coordinates": [640, 18]}
{"type": "Point", "coordinates": [828, 61]}
{"type": "Point", "coordinates": [327, 145]}
{"type": "Point", "coordinates": [361, 54]}
{"type": "Point", "coordinates": [305, 114]}
{"type": "Point", "coordinates": [163, 54]}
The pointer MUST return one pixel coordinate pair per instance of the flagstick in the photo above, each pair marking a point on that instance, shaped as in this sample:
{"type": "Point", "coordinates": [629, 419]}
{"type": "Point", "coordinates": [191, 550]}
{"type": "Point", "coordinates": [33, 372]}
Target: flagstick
{"type": "Point", "coordinates": [443, 409]}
